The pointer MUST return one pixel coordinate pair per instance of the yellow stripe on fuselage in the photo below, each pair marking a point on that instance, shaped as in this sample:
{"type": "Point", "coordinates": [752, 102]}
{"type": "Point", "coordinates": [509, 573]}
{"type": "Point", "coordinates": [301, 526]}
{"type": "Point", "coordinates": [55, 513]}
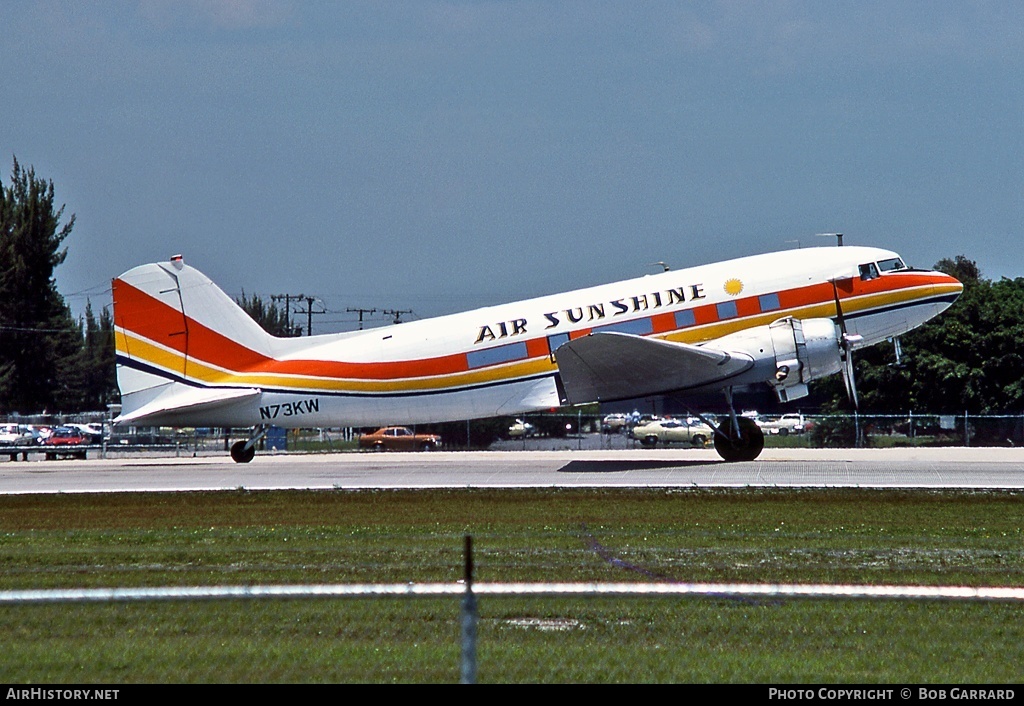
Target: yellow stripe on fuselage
{"type": "Point", "coordinates": [208, 374]}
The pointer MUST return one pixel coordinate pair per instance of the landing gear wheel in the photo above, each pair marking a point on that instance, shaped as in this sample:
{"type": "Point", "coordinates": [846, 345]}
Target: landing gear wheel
{"type": "Point", "coordinates": [240, 454]}
{"type": "Point", "coordinates": [746, 448]}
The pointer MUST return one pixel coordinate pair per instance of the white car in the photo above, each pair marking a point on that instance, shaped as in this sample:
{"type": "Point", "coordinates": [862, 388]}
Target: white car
{"type": "Point", "coordinates": [678, 431]}
{"type": "Point", "coordinates": [784, 425]}
{"type": "Point", "coordinates": [521, 429]}
{"type": "Point", "coordinates": [14, 435]}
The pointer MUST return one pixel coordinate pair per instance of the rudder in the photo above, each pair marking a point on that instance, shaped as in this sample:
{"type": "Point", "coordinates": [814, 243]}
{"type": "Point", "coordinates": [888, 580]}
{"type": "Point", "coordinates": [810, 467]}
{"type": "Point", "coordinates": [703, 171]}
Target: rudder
{"type": "Point", "coordinates": [174, 326]}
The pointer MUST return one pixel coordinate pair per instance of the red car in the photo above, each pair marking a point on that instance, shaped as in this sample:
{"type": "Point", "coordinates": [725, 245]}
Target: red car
{"type": "Point", "coordinates": [399, 439]}
{"type": "Point", "coordinates": [66, 436]}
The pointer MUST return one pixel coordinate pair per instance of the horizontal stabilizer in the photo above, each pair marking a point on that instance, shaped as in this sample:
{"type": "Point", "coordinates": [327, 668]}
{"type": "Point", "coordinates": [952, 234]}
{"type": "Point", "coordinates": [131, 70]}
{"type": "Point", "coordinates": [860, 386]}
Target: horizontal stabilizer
{"type": "Point", "coordinates": [603, 367]}
{"type": "Point", "coordinates": [179, 399]}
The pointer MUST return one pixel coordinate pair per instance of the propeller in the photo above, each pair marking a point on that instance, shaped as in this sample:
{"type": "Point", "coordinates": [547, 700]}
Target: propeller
{"type": "Point", "coordinates": [846, 344]}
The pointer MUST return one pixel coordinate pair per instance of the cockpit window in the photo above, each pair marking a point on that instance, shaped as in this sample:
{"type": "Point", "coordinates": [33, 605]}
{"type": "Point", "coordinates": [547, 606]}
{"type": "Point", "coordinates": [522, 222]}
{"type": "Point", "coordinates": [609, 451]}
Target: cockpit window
{"type": "Point", "coordinates": [868, 271]}
{"type": "Point", "coordinates": [891, 265]}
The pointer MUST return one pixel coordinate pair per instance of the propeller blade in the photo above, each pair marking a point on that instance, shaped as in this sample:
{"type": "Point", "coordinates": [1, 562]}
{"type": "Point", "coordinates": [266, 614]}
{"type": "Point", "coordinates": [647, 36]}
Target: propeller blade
{"type": "Point", "coordinates": [840, 319]}
{"type": "Point", "coordinates": [849, 378]}
{"type": "Point", "coordinates": [846, 343]}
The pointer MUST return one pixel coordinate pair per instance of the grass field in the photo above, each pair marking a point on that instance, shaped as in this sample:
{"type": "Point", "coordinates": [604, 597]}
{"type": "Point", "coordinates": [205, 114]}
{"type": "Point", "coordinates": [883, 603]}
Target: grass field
{"type": "Point", "coordinates": [755, 535]}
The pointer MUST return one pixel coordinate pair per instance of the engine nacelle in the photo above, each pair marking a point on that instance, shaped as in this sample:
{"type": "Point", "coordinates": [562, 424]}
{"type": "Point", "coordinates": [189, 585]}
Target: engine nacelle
{"type": "Point", "coordinates": [800, 349]}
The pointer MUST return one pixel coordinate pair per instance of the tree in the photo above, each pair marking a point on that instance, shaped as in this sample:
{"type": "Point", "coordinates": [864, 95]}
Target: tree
{"type": "Point", "coordinates": [97, 362]}
{"type": "Point", "coordinates": [272, 319]}
{"type": "Point", "coordinates": [38, 337]}
{"type": "Point", "coordinates": [968, 359]}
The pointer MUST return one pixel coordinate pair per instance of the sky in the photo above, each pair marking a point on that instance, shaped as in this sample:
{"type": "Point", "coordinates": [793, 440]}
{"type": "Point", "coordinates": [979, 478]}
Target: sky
{"type": "Point", "coordinates": [432, 156]}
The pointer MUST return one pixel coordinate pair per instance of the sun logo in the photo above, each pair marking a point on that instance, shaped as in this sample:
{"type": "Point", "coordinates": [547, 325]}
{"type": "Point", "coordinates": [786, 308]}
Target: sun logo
{"type": "Point", "coordinates": [733, 287]}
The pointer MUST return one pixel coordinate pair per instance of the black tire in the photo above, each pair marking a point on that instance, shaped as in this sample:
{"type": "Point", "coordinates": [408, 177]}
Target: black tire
{"type": "Point", "coordinates": [427, 446]}
{"type": "Point", "coordinates": [745, 448]}
{"type": "Point", "coordinates": [240, 454]}
{"type": "Point", "coordinates": [651, 441]}
{"type": "Point", "coordinates": [699, 440]}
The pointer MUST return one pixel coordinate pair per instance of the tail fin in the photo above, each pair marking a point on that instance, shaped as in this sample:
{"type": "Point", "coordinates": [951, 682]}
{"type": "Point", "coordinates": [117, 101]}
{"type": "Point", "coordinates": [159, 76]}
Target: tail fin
{"type": "Point", "coordinates": [176, 331]}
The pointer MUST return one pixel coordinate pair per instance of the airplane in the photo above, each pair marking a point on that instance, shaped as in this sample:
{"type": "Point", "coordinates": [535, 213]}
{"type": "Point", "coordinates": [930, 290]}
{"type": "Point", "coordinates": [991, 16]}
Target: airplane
{"type": "Point", "coordinates": [188, 355]}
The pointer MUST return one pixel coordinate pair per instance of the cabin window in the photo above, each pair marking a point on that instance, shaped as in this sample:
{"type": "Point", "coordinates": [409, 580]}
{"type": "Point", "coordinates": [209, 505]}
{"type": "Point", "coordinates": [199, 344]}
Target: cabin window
{"type": "Point", "coordinates": [891, 265]}
{"type": "Point", "coordinates": [868, 271]}
{"type": "Point", "coordinates": [727, 310]}
{"type": "Point", "coordinates": [494, 356]}
{"type": "Point", "coordinates": [769, 302]}
{"type": "Point", "coordinates": [685, 318]}
{"type": "Point", "coordinates": [555, 340]}
{"type": "Point", "coordinates": [638, 327]}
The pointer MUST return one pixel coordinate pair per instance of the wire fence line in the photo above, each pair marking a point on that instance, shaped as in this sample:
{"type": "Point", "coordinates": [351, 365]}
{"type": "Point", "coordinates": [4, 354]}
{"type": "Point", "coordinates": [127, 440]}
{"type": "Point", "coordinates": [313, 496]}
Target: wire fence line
{"type": "Point", "coordinates": [575, 429]}
{"type": "Point", "coordinates": [540, 590]}
{"type": "Point", "coordinates": [515, 632]}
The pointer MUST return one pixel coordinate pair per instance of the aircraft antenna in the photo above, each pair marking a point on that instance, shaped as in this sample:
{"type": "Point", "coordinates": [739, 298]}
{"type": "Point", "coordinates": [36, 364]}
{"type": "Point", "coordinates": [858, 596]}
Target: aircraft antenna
{"type": "Point", "coordinates": [837, 236]}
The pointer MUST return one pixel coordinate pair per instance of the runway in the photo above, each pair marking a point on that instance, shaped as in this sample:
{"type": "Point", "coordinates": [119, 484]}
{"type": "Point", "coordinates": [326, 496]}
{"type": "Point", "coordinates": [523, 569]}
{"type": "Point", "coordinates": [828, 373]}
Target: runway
{"type": "Point", "coordinates": [995, 468]}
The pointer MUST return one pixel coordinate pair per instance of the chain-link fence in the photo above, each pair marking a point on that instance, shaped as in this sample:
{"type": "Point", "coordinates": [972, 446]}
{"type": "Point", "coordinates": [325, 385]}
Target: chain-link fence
{"type": "Point", "coordinates": [581, 431]}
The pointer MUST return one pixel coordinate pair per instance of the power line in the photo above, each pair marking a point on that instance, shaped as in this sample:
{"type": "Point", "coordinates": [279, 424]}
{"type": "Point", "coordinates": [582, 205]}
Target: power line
{"type": "Point", "coordinates": [287, 299]}
{"type": "Point", "coordinates": [361, 312]}
{"type": "Point", "coordinates": [309, 314]}
{"type": "Point", "coordinates": [397, 313]}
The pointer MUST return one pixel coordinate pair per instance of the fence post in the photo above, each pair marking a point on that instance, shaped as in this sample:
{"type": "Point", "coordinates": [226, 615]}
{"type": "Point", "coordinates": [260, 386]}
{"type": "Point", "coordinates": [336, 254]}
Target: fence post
{"type": "Point", "coordinates": [468, 618]}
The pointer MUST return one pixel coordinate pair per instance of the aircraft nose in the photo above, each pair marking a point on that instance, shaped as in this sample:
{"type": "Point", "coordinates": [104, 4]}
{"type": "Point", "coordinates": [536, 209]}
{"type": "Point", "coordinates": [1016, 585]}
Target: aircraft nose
{"type": "Point", "coordinates": [946, 288]}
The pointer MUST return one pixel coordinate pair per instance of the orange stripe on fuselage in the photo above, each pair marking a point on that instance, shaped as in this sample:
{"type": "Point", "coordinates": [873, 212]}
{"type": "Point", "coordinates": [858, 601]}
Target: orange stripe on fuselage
{"type": "Point", "coordinates": [148, 318]}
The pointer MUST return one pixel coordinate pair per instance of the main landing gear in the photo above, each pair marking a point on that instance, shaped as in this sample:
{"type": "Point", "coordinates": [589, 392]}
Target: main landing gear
{"type": "Point", "coordinates": [244, 451]}
{"type": "Point", "coordinates": [738, 438]}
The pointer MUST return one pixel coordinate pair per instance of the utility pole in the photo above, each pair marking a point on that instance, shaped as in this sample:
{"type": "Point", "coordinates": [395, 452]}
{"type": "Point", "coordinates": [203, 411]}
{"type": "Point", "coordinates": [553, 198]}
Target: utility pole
{"type": "Point", "coordinates": [361, 312]}
{"type": "Point", "coordinates": [397, 313]}
{"type": "Point", "coordinates": [309, 314]}
{"type": "Point", "coordinates": [287, 299]}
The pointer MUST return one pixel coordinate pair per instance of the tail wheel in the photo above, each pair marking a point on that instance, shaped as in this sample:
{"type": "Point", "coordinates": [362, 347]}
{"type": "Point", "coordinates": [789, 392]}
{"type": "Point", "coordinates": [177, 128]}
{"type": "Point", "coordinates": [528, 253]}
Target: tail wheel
{"type": "Point", "coordinates": [240, 454]}
{"type": "Point", "coordinates": [746, 447]}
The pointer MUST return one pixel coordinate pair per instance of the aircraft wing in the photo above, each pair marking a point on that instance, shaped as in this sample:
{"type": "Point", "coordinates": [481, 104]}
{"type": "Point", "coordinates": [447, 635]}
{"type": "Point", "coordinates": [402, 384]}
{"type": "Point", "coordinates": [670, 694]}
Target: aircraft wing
{"type": "Point", "coordinates": [182, 400]}
{"type": "Point", "coordinates": [616, 366]}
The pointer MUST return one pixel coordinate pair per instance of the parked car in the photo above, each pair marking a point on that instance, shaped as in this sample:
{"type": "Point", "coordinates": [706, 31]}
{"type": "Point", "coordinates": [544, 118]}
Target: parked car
{"type": "Point", "coordinates": [784, 425]}
{"type": "Point", "coordinates": [38, 434]}
{"type": "Point", "coordinates": [669, 431]}
{"type": "Point", "coordinates": [399, 439]}
{"type": "Point", "coordinates": [93, 431]}
{"type": "Point", "coordinates": [15, 435]}
{"type": "Point", "coordinates": [66, 436]}
{"type": "Point", "coordinates": [614, 424]}
{"type": "Point", "coordinates": [521, 429]}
